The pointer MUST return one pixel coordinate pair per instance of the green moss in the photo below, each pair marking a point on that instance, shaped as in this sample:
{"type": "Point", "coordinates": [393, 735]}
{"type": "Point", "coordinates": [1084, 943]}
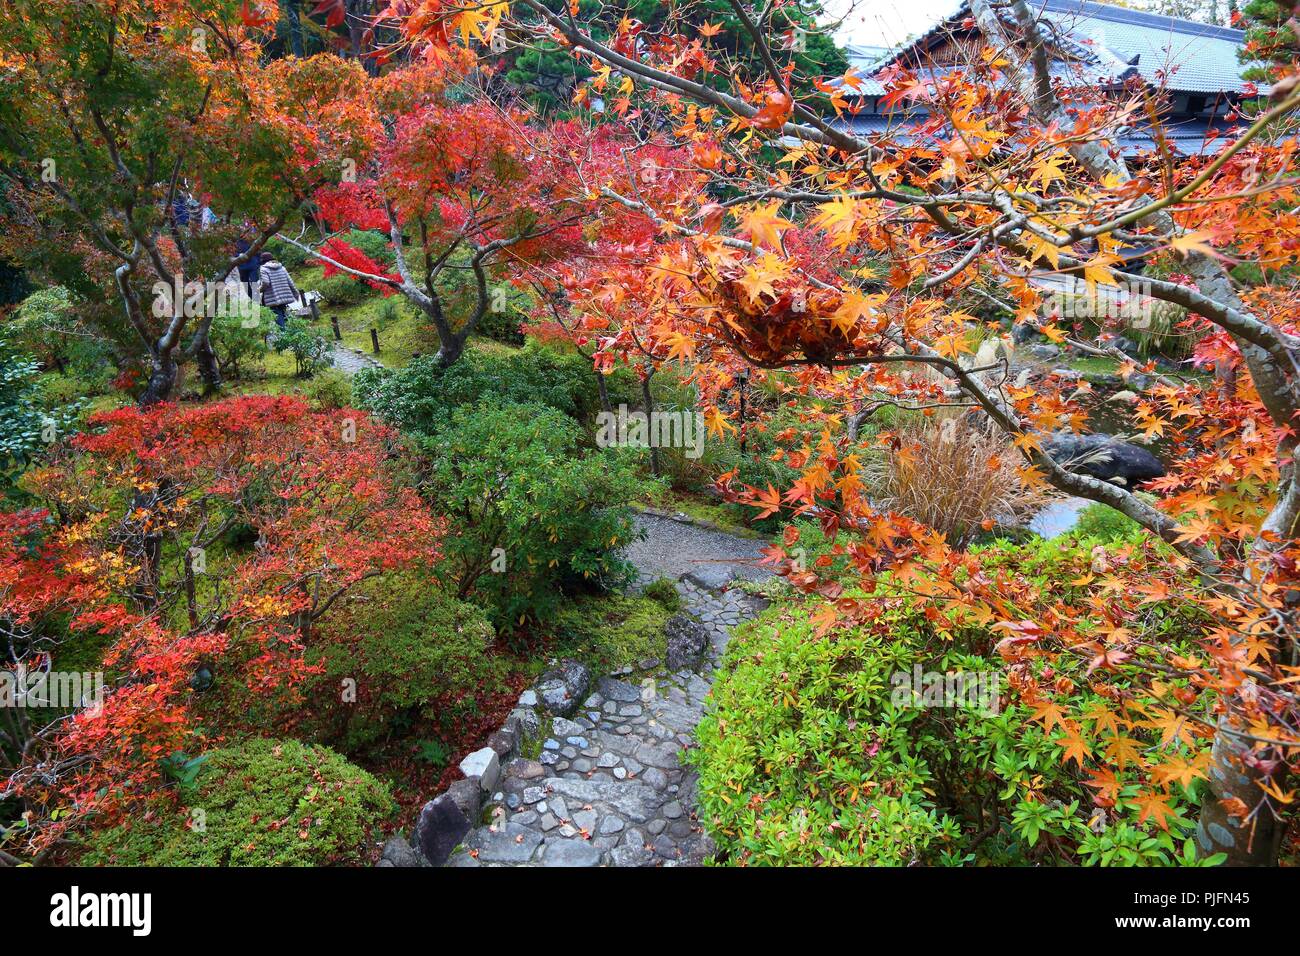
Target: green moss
{"type": "Point", "coordinates": [259, 803]}
{"type": "Point", "coordinates": [665, 592]}
{"type": "Point", "coordinates": [1094, 366]}
{"type": "Point", "coordinates": [611, 631]}
{"type": "Point", "coordinates": [530, 748]}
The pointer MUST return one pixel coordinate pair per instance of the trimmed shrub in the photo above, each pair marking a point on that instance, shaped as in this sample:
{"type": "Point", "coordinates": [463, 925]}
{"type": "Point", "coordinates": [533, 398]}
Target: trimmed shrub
{"type": "Point", "coordinates": [531, 517]}
{"type": "Point", "coordinates": [264, 803]}
{"type": "Point", "coordinates": [421, 396]}
{"type": "Point", "coordinates": [330, 389]}
{"type": "Point", "coordinates": [413, 651]}
{"type": "Point", "coordinates": [309, 348]}
{"type": "Point", "coordinates": [236, 340]}
{"type": "Point", "coordinates": [822, 749]}
{"type": "Point", "coordinates": [374, 244]}
{"type": "Point", "coordinates": [343, 290]}
{"type": "Point", "coordinates": [290, 256]}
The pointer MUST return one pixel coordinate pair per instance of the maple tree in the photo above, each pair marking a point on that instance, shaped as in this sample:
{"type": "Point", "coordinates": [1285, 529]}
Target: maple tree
{"type": "Point", "coordinates": [470, 189]}
{"type": "Point", "coordinates": [114, 108]}
{"type": "Point", "coordinates": [201, 547]}
{"type": "Point", "coordinates": [837, 260]}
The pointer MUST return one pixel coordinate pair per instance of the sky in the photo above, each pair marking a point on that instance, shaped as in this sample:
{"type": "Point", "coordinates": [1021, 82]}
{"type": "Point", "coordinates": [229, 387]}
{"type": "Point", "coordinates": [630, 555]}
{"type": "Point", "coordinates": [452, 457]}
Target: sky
{"type": "Point", "coordinates": [885, 22]}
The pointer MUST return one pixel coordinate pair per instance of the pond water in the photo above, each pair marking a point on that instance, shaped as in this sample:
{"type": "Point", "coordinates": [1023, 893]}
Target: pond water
{"type": "Point", "coordinates": [1058, 517]}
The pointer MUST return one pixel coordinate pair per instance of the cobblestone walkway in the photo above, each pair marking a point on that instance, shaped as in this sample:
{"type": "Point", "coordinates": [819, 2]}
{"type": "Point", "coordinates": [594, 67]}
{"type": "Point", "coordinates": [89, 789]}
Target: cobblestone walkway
{"type": "Point", "coordinates": [350, 361]}
{"type": "Point", "coordinates": [610, 787]}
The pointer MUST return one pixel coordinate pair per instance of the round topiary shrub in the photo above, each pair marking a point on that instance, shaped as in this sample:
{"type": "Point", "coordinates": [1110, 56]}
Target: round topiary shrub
{"type": "Point", "coordinates": [258, 803]}
{"type": "Point", "coordinates": [413, 653]}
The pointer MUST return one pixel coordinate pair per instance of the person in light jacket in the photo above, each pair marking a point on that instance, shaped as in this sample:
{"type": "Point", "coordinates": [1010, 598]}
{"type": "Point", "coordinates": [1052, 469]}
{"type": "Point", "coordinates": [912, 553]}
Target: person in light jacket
{"type": "Point", "coordinates": [278, 289]}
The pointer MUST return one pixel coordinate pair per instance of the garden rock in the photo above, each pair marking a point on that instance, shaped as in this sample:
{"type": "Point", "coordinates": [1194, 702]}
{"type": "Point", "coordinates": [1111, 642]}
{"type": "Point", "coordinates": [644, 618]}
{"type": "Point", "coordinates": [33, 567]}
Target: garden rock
{"type": "Point", "coordinates": [484, 764]}
{"type": "Point", "coordinates": [467, 794]}
{"type": "Point", "coordinates": [687, 640]}
{"type": "Point", "coordinates": [1104, 457]}
{"type": "Point", "coordinates": [399, 852]}
{"type": "Point", "coordinates": [1024, 332]}
{"type": "Point", "coordinates": [441, 827]}
{"type": "Point", "coordinates": [563, 688]}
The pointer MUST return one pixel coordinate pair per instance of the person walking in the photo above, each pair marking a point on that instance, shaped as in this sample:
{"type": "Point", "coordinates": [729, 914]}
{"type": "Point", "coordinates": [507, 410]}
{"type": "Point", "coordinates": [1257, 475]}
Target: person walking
{"type": "Point", "coordinates": [251, 270]}
{"type": "Point", "coordinates": [278, 289]}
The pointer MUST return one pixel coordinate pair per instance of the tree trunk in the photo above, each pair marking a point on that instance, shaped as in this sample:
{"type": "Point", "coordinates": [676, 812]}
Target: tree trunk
{"type": "Point", "coordinates": [1252, 842]}
{"type": "Point", "coordinates": [649, 412]}
{"type": "Point", "coordinates": [450, 349]}
{"type": "Point", "coordinates": [603, 388]}
{"type": "Point", "coordinates": [295, 27]}
{"type": "Point", "coordinates": [162, 379]}
{"type": "Point", "coordinates": [206, 359]}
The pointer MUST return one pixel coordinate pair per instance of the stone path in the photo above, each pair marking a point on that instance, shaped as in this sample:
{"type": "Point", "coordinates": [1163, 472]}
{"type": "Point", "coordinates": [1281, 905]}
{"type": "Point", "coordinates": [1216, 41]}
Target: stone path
{"type": "Point", "coordinates": [610, 787]}
{"type": "Point", "coordinates": [349, 361]}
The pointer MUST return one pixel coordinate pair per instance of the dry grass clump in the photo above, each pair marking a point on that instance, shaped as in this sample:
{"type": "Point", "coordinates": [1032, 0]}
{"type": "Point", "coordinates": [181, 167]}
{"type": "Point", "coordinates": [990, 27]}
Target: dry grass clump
{"type": "Point", "coordinates": [953, 475]}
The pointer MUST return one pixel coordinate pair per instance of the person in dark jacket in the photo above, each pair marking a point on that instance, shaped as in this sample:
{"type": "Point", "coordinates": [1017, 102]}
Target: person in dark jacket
{"type": "Point", "coordinates": [250, 271]}
{"type": "Point", "coordinates": [277, 288]}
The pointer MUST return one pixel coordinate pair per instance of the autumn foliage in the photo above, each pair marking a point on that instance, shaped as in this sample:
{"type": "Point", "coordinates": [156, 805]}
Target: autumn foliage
{"type": "Point", "coordinates": [202, 545]}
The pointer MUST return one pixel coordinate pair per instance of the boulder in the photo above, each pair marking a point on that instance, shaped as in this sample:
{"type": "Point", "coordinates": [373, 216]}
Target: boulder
{"type": "Point", "coordinates": [1023, 332]}
{"type": "Point", "coordinates": [467, 794]}
{"type": "Point", "coordinates": [484, 764]}
{"type": "Point", "coordinates": [399, 852]}
{"type": "Point", "coordinates": [687, 639]}
{"type": "Point", "coordinates": [504, 743]}
{"type": "Point", "coordinates": [1104, 457]}
{"type": "Point", "coordinates": [440, 828]}
{"type": "Point", "coordinates": [563, 688]}
{"type": "Point", "coordinates": [528, 724]}
{"type": "Point", "coordinates": [713, 577]}
{"type": "Point", "coordinates": [523, 769]}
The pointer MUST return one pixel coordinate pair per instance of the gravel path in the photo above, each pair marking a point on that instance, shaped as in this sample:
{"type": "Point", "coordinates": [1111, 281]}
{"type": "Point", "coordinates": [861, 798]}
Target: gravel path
{"type": "Point", "coordinates": [672, 548]}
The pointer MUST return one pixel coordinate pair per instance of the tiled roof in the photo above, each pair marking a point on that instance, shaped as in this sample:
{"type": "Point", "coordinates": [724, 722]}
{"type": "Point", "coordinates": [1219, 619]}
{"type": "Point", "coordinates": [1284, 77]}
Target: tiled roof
{"type": "Point", "coordinates": [1113, 43]}
{"type": "Point", "coordinates": [1188, 137]}
{"type": "Point", "coordinates": [1175, 54]}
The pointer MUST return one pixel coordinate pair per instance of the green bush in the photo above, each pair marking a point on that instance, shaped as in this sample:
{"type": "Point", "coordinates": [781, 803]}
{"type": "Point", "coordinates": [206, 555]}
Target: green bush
{"type": "Point", "coordinates": [343, 290]}
{"type": "Point", "coordinates": [238, 339]}
{"type": "Point", "coordinates": [502, 325]}
{"type": "Point", "coordinates": [1107, 524]}
{"type": "Point", "coordinates": [374, 244]}
{"type": "Point", "coordinates": [813, 751]}
{"type": "Point", "coordinates": [531, 517]}
{"type": "Point", "coordinates": [290, 256]}
{"type": "Point", "coordinates": [330, 389]}
{"type": "Point", "coordinates": [664, 592]}
{"type": "Point", "coordinates": [26, 428]}
{"type": "Point", "coordinates": [309, 348]}
{"type": "Point", "coordinates": [47, 327]}
{"type": "Point", "coordinates": [413, 651]}
{"type": "Point", "coordinates": [258, 803]}
{"type": "Point", "coordinates": [421, 396]}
